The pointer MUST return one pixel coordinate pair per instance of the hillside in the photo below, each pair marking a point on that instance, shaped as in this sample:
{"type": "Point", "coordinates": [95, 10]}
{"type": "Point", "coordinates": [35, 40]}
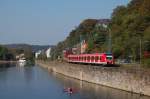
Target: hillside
{"type": "Point", "coordinates": [93, 31]}
{"type": "Point", "coordinates": [128, 28]}
{"type": "Point", "coordinates": [26, 46]}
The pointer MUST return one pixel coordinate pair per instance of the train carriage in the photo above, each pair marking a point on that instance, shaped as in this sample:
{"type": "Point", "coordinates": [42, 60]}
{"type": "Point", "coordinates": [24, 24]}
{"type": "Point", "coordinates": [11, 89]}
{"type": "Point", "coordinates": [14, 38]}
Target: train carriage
{"type": "Point", "coordinates": [97, 58]}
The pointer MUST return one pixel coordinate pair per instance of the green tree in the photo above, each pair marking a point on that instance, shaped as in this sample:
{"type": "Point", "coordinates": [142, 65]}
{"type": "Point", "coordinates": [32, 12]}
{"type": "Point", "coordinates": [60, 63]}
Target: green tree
{"type": "Point", "coordinates": [129, 24]}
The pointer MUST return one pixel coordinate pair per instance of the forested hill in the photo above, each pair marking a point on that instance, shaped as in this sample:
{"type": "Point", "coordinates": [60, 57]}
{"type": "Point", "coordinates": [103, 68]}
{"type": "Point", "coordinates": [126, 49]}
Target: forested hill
{"type": "Point", "coordinates": [130, 33]}
{"type": "Point", "coordinates": [90, 30]}
{"type": "Point", "coordinates": [27, 46]}
{"type": "Point", "coordinates": [10, 51]}
{"type": "Point", "coordinates": [130, 26]}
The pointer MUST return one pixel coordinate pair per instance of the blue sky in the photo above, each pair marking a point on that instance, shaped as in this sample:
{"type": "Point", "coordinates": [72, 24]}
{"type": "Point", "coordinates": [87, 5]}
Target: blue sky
{"type": "Point", "coordinates": [48, 21]}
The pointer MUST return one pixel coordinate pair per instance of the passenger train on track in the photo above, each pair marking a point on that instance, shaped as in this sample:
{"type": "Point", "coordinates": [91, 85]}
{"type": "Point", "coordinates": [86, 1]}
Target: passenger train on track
{"type": "Point", "coordinates": [96, 58]}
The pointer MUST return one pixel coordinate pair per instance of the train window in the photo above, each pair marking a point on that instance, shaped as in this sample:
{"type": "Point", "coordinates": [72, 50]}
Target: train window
{"type": "Point", "coordinates": [88, 58]}
{"type": "Point", "coordinates": [80, 58]}
{"type": "Point", "coordinates": [100, 58]}
{"type": "Point", "coordinates": [92, 58]}
{"type": "Point", "coordinates": [109, 57]}
{"type": "Point", "coordinates": [84, 58]}
{"type": "Point", "coordinates": [77, 58]}
{"type": "Point", "coordinates": [72, 58]}
{"type": "Point", "coordinates": [96, 59]}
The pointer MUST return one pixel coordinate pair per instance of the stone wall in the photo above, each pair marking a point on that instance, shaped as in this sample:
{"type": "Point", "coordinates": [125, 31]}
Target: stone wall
{"type": "Point", "coordinates": [133, 80]}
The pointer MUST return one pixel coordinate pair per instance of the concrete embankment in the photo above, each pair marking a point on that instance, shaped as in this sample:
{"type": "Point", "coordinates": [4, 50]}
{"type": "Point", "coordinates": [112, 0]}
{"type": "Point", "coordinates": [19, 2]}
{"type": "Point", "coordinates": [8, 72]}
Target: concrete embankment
{"type": "Point", "coordinates": [4, 62]}
{"type": "Point", "coordinates": [133, 80]}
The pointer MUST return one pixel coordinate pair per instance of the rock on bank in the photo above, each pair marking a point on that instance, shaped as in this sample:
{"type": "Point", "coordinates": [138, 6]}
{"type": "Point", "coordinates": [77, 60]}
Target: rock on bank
{"type": "Point", "coordinates": [133, 80]}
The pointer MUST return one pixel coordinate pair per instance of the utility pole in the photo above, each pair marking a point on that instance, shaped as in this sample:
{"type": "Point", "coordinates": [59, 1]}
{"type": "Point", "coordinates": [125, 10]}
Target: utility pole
{"type": "Point", "coordinates": [109, 42]}
{"type": "Point", "coordinates": [140, 50]}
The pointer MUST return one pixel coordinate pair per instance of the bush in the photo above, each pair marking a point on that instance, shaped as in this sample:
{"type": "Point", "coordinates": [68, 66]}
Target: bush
{"type": "Point", "coordinates": [146, 62]}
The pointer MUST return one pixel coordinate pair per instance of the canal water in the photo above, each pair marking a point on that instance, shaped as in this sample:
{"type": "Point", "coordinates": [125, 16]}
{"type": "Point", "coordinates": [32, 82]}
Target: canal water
{"type": "Point", "coordinates": [36, 83]}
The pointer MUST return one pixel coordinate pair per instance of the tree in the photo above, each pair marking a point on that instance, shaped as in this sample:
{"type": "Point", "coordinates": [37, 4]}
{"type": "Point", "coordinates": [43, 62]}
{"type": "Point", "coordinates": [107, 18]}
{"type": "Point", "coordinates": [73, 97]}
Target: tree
{"type": "Point", "coordinates": [129, 24]}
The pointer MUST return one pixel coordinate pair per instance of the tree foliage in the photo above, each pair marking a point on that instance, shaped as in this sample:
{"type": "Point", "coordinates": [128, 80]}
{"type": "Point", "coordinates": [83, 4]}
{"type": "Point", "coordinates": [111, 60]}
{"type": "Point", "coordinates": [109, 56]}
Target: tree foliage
{"type": "Point", "coordinates": [87, 30]}
{"type": "Point", "coordinates": [5, 54]}
{"type": "Point", "coordinates": [129, 25]}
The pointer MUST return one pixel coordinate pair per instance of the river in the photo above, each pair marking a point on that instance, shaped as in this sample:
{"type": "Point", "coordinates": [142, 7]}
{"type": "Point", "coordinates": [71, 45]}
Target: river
{"type": "Point", "coordinates": [37, 83]}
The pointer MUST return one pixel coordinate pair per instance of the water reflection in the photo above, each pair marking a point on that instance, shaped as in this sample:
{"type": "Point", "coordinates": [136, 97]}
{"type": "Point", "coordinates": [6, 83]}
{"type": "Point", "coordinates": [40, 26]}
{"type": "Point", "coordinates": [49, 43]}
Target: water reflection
{"type": "Point", "coordinates": [93, 91]}
{"type": "Point", "coordinates": [28, 74]}
{"type": "Point", "coordinates": [36, 83]}
{"type": "Point", "coordinates": [6, 65]}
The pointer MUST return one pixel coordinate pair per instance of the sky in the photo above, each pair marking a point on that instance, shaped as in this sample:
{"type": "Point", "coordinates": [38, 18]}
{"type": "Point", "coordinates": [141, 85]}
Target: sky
{"type": "Point", "coordinates": [46, 22]}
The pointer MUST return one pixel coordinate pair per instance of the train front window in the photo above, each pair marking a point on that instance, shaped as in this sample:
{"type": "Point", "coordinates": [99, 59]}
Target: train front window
{"type": "Point", "coordinates": [109, 57]}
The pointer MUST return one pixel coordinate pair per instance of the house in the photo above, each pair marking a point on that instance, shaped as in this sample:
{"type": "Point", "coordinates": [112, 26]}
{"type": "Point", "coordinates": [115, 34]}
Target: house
{"type": "Point", "coordinates": [103, 22]}
{"type": "Point", "coordinates": [38, 53]}
{"type": "Point", "coordinates": [48, 52]}
{"type": "Point", "coordinates": [83, 46]}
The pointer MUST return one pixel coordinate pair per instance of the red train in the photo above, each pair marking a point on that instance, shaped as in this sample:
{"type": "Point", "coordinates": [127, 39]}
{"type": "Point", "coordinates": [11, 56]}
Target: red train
{"type": "Point", "coordinates": [97, 58]}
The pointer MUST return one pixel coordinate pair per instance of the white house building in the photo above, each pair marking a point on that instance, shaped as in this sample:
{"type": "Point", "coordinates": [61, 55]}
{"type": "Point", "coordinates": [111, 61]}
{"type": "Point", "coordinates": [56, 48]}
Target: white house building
{"type": "Point", "coordinates": [48, 52]}
{"type": "Point", "coordinates": [38, 53]}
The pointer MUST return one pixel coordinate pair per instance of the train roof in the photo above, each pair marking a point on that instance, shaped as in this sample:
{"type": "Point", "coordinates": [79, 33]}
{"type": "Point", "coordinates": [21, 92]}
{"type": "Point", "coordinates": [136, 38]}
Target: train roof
{"type": "Point", "coordinates": [93, 54]}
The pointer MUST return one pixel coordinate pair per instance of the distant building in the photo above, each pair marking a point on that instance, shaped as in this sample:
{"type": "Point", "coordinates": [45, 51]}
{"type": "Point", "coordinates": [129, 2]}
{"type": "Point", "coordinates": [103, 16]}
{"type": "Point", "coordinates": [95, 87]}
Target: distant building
{"type": "Point", "coordinates": [76, 49]}
{"type": "Point", "coordinates": [38, 53]}
{"type": "Point", "coordinates": [20, 56]}
{"type": "Point", "coordinates": [83, 46]}
{"type": "Point", "coordinates": [103, 22]}
{"type": "Point", "coordinates": [48, 52]}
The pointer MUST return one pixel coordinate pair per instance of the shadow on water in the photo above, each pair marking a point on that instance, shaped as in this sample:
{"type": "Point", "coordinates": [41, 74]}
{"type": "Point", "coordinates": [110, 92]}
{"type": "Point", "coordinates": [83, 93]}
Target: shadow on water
{"type": "Point", "coordinates": [5, 66]}
{"type": "Point", "coordinates": [92, 91]}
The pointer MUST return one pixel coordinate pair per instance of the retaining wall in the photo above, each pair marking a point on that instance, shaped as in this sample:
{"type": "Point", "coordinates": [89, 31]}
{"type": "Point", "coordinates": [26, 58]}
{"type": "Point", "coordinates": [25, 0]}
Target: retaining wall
{"type": "Point", "coordinates": [133, 80]}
